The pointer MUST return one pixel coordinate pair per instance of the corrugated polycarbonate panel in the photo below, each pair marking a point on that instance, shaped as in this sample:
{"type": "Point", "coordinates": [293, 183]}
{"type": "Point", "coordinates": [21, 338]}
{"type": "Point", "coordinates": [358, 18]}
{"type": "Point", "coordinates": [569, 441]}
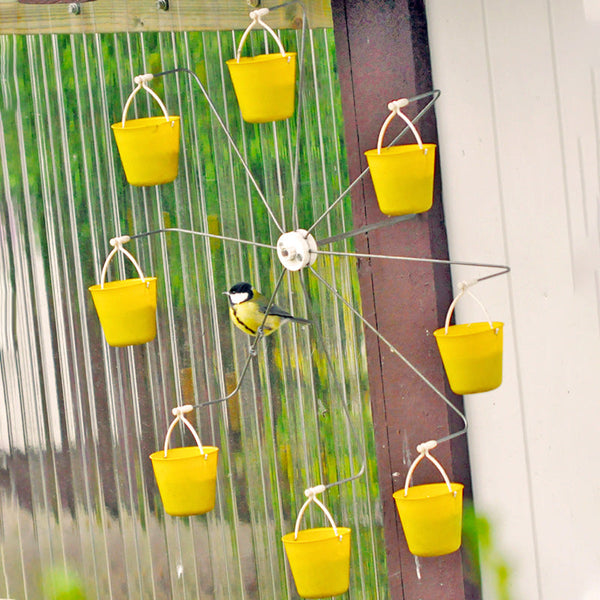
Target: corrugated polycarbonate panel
{"type": "Point", "coordinates": [79, 419]}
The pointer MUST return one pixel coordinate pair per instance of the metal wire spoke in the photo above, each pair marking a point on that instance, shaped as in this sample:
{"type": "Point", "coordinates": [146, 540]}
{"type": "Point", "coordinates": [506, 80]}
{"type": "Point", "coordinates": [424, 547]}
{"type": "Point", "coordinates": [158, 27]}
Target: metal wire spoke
{"type": "Point", "coordinates": [395, 351]}
{"type": "Point", "coordinates": [201, 234]}
{"type": "Point", "coordinates": [503, 269]}
{"type": "Point", "coordinates": [323, 347]}
{"type": "Point", "coordinates": [229, 138]}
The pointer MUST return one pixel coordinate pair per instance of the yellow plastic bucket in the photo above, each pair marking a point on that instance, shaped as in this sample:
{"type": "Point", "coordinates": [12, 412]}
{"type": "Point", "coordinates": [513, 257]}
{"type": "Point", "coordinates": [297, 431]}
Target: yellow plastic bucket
{"type": "Point", "coordinates": [148, 147]}
{"type": "Point", "coordinates": [319, 558]}
{"type": "Point", "coordinates": [472, 356]}
{"type": "Point", "coordinates": [186, 477]}
{"type": "Point", "coordinates": [431, 514]}
{"type": "Point", "coordinates": [431, 517]}
{"type": "Point", "coordinates": [126, 309]}
{"type": "Point", "coordinates": [402, 175]}
{"type": "Point", "coordinates": [265, 85]}
{"type": "Point", "coordinates": [472, 352]}
{"type": "Point", "coordinates": [320, 561]}
{"type": "Point", "coordinates": [403, 178]}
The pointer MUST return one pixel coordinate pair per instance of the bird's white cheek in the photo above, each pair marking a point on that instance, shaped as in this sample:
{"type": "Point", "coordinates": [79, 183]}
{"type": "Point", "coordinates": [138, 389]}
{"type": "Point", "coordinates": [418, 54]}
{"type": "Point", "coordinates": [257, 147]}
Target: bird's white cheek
{"type": "Point", "coordinates": [237, 298]}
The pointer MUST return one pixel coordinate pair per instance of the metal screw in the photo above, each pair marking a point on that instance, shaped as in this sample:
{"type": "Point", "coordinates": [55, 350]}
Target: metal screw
{"type": "Point", "coordinates": [74, 8]}
{"type": "Point", "coordinates": [162, 4]}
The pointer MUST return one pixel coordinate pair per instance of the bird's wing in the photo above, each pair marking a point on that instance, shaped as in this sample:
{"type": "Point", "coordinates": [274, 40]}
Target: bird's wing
{"type": "Point", "coordinates": [274, 310]}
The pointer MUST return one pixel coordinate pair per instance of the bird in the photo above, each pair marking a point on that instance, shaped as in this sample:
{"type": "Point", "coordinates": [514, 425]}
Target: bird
{"type": "Point", "coordinates": [247, 308]}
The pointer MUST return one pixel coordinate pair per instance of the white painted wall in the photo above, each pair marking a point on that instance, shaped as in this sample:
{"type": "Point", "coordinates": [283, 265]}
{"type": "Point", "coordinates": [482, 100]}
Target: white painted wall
{"type": "Point", "coordinates": [519, 129]}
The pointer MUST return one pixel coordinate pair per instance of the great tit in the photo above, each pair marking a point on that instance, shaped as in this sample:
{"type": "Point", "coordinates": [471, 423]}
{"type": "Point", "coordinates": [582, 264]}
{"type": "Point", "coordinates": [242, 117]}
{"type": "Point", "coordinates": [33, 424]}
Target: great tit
{"type": "Point", "coordinates": [247, 308]}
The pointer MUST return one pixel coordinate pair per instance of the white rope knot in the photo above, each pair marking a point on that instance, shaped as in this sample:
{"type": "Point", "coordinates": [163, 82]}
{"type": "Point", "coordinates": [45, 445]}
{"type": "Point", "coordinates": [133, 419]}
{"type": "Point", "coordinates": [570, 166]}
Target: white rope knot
{"type": "Point", "coordinates": [312, 492]}
{"type": "Point", "coordinates": [119, 240]}
{"type": "Point", "coordinates": [141, 83]}
{"type": "Point", "coordinates": [259, 13]}
{"type": "Point", "coordinates": [117, 244]}
{"type": "Point", "coordinates": [463, 286]}
{"type": "Point", "coordinates": [257, 19]}
{"type": "Point", "coordinates": [179, 411]}
{"type": "Point", "coordinates": [143, 78]}
{"type": "Point", "coordinates": [425, 447]}
{"type": "Point", "coordinates": [396, 105]}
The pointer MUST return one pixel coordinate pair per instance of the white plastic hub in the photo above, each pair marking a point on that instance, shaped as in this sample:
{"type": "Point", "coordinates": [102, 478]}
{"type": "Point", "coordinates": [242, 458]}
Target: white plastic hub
{"type": "Point", "coordinates": [296, 249]}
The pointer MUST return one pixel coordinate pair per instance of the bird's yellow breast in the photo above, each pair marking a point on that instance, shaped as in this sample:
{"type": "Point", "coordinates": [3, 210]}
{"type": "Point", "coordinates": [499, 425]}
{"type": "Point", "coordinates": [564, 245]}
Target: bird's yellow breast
{"type": "Point", "coordinates": [247, 317]}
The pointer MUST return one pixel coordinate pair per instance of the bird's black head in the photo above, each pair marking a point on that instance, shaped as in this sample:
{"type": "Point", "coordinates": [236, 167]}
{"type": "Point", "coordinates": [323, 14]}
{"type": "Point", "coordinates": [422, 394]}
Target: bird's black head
{"type": "Point", "coordinates": [240, 292]}
{"type": "Point", "coordinates": [241, 288]}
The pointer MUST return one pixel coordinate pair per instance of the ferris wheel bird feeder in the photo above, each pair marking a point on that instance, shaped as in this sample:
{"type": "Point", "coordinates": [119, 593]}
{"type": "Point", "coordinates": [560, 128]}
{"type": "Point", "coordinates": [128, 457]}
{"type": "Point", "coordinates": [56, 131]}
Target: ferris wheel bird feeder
{"type": "Point", "coordinates": [265, 85]}
{"type": "Point", "coordinates": [402, 175]}
{"type": "Point", "coordinates": [148, 147]}
{"type": "Point", "coordinates": [186, 477]}
{"type": "Point", "coordinates": [126, 308]}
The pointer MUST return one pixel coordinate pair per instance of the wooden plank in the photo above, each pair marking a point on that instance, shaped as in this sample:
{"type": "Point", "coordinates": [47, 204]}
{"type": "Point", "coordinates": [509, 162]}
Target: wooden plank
{"type": "Point", "coordinates": [107, 16]}
{"type": "Point", "coordinates": [51, 1]}
{"type": "Point", "coordinates": [383, 54]}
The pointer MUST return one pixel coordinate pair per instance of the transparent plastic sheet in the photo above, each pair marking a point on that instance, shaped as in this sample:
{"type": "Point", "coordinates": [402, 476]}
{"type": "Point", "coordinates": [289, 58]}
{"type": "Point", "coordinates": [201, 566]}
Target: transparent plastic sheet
{"type": "Point", "coordinates": [79, 419]}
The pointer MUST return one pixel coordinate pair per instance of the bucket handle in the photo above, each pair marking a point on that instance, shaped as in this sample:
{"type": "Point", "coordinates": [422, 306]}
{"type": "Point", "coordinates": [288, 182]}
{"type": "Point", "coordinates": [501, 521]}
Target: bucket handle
{"type": "Point", "coordinates": [464, 286]}
{"type": "Point", "coordinates": [395, 107]}
{"type": "Point", "coordinates": [256, 16]}
{"type": "Point", "coordinates": [423, 450]}
{"type": "Point", "coordinates": [142, 83]}
{"type": "Point", "coordinates": [117, 244]}
{"type": "Point", "coordinates": [179, 412]}
{"type": "Point", "coordinates": [311, 493]}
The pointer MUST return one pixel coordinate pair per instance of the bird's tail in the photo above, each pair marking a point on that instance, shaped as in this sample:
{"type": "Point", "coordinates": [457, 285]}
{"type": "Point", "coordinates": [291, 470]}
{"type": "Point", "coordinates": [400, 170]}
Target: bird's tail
{"type": "Point", "coordinates": [300, 320]}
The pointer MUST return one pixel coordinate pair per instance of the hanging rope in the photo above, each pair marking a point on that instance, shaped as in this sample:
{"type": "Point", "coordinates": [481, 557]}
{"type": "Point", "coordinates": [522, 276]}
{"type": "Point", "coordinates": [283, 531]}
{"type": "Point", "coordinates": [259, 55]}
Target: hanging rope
{"type": "Point", "coordinates": [423, 450]}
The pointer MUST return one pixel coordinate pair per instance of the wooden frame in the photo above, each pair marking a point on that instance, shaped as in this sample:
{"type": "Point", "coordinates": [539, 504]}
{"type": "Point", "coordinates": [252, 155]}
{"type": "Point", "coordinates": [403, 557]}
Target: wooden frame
{"type": "Point", "coordinates": [107, 16]}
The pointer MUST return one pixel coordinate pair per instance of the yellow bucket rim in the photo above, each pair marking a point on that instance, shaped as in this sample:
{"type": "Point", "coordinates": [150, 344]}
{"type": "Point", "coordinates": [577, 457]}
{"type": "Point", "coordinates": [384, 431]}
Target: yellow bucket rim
{"type": "Point", "coordinates": [399, 150]}
{"type": "Point", "coordinates": [466, 329]}
{"type": "Point", "coordinates": [317, 534]}
{"type": "Point", "coordinates": [245, 60]}
{"type": "Point", "coordinates": [119, 284]}
{"type": "Point", "coordinates": [183, 453]}
{"type": "Point", "coordinates": [426, 491]}
{"type": "Point", "coordinates": [144, 122]}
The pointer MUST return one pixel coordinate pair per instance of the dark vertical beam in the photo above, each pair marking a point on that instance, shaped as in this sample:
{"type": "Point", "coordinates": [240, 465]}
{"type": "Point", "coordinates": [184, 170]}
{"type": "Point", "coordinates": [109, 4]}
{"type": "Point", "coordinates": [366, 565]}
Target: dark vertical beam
{"type": "Point", "coordinates": [383, 54]}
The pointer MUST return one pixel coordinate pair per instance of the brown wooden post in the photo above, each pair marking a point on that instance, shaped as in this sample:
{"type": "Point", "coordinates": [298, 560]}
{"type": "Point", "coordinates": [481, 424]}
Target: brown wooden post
{"type": "Point", "coordinates": [383, 54]}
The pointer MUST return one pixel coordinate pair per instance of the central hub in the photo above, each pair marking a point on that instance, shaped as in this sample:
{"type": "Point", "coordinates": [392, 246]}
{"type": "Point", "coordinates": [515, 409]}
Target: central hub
{"type": "Point", "coordinates": [296, 249]}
